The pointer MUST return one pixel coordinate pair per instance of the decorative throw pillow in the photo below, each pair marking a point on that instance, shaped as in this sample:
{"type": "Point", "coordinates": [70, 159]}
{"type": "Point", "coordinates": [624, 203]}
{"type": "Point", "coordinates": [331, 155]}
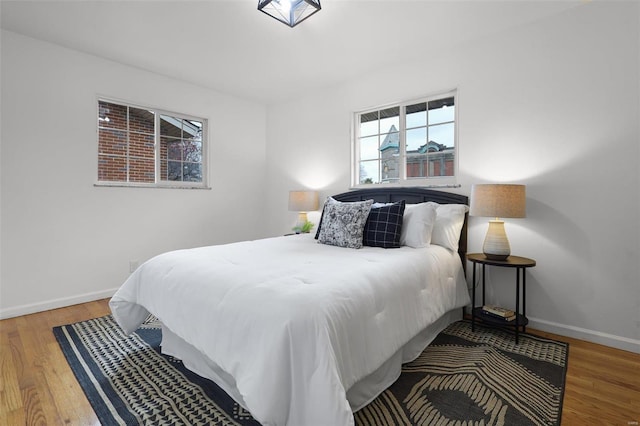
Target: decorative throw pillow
{"type": "Point", "coordinates": [384, 226]}
{"type": "Point", "coordinates": [448, 225]}
{"type": "Point", "coordinates": [418, 225]}
{"type": "Point", "coordinates": [330, 200]}
{"type": "Point", "coordinates": [342, 224]}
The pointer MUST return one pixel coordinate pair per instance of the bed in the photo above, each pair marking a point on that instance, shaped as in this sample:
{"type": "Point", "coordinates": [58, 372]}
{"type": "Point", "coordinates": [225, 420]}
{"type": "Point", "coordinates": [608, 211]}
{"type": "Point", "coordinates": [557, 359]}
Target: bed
{"type": "Point", "coordinates": [299, 332]}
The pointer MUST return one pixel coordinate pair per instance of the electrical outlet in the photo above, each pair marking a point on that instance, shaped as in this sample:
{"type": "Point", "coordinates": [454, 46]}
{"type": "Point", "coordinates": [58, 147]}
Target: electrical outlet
{"type": "Point", "coordinates": [133, 265]}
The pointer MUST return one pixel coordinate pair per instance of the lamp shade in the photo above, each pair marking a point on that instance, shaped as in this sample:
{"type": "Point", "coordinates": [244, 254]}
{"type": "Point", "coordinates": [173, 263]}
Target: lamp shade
{"type": "Point", "coordinates": [303, 201]}
{"type": "Point", "coordinates": [290, 12]}
{"type": "Point", "coordinates": [498, 200]}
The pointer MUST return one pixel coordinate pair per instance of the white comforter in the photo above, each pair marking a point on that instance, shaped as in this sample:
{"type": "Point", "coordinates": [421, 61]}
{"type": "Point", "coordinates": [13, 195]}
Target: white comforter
{"type": "Point", "coordinates": [294, 322]}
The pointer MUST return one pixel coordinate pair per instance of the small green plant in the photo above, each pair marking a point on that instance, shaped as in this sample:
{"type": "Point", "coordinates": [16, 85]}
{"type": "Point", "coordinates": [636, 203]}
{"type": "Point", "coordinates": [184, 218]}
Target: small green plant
{"type": "Point", "coordinates": [305, 228]}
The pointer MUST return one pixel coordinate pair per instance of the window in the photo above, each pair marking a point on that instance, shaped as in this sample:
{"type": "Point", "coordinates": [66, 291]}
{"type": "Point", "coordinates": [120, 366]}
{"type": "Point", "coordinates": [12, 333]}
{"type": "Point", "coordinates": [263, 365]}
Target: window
{"type": "Point", "coordinates": [148, 147]}
{"type": "Point", "coordinates": [406, 142]}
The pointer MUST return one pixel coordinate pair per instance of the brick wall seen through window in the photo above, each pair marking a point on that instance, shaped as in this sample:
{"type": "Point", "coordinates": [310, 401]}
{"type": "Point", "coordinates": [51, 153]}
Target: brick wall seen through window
{"type": "Point", "coordinates": [145, 146]}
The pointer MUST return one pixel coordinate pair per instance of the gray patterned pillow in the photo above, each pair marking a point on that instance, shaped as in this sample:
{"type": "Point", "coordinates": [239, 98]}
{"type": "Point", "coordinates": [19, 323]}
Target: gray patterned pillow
{"type": "Point", "coordinates": [343, 223]}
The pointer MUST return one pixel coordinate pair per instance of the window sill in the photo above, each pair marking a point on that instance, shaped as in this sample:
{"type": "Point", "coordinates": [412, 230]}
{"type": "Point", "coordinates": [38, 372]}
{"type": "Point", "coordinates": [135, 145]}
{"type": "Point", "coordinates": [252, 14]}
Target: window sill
{"type": "Point", "coordinates": [148, 185]}
{"type": "Point", "coordinates": [407, 184]}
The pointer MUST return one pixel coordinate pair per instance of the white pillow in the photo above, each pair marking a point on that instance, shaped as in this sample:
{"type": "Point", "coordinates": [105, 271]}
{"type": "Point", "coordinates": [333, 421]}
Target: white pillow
{"type": "Point", "coordinates": [448, 224]}
{"type": "Point", "coordinates": [417, 224]}
{"type": "Point", "coordinates": [378, 205]}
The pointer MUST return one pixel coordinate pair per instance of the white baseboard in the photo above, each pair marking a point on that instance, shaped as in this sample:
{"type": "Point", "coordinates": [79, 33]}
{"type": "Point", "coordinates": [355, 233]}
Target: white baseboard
{"type": "Point", "coordinates": [55, 303]}
{"type": "Point", "coordinates": [619, 342]}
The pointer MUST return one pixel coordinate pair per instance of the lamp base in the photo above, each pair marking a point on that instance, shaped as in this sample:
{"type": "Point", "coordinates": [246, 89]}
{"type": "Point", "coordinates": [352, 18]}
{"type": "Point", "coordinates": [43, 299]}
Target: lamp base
{"type": "Point", "coordinates": [496, 256]}
{"type": "Point", "coordinates": [496, 244]}
{"type": "Point", "coordinates": [302, 219]}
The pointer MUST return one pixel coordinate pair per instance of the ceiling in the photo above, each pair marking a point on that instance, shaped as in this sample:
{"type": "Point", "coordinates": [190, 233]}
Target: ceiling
{"type": "Point", "coordinates": [228, 46]}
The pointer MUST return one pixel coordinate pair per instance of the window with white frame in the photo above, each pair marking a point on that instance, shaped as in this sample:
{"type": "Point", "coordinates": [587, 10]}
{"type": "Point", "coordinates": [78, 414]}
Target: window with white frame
{"type": "Point", "coordinates": [409, 141]}
{"type": "Point", "coordinates": [139, 146]}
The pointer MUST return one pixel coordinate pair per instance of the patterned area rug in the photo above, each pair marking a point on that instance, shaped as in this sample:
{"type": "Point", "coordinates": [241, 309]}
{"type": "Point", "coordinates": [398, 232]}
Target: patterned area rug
{"type": "Point", "coordinates": [462, 378]}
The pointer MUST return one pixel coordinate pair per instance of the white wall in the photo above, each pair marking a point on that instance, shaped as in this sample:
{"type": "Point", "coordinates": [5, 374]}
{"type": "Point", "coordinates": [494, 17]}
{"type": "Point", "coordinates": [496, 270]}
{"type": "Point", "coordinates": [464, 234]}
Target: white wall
{"type": "Point", "coordinates": [63, 239]}
{"type": "Point", "coordinates": [554, 105]}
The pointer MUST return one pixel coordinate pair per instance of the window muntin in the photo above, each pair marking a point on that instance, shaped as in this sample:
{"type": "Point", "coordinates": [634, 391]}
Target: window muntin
{"type": "Point", "coordinates": [409, 141]}
{"type": "Point", "coordinates": [149, 147]}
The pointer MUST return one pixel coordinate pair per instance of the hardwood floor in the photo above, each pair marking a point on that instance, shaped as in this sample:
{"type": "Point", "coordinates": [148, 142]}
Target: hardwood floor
{"type": "Point", "coordinates": [37, 386]}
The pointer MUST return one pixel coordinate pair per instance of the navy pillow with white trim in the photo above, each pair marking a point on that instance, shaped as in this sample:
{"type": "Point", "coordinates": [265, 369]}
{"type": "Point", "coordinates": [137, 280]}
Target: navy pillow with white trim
{"type": "Point", "coordinates": [384, 226]}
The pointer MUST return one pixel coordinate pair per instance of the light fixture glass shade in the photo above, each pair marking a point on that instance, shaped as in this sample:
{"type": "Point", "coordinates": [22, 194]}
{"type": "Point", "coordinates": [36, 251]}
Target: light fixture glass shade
{"type": "Point", "coordinates": [497, 200]}
{"type": "Point", "coordinates": [290, 12]}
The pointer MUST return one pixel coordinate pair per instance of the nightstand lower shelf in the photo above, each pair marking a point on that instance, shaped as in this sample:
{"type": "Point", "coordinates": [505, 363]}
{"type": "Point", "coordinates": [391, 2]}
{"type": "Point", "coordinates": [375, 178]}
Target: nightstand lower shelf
{"type": "Point", "coordinates": [487, 319]}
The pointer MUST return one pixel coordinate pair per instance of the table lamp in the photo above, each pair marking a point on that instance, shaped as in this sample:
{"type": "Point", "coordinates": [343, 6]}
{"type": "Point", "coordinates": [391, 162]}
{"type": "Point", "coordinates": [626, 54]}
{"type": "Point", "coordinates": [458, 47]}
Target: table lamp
{"type": "Point", "coordinates": [303, 202]}
{"type": "Point", "coordinates": [497, 201]}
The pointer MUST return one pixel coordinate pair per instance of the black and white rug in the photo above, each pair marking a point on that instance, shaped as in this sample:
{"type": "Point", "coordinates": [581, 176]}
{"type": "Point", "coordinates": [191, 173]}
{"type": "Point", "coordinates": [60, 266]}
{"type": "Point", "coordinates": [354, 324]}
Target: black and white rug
{"type": "Point", "coordinates": [463, 377]}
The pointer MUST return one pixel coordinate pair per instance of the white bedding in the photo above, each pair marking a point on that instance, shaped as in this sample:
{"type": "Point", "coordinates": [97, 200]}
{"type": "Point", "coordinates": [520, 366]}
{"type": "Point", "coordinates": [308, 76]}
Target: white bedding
{"type": "Point", "coordinates": [293, 322]}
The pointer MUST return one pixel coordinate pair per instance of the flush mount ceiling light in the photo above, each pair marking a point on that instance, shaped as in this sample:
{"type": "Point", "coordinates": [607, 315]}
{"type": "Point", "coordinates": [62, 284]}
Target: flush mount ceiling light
{"type": "Point", "coordinates": [290, 12]}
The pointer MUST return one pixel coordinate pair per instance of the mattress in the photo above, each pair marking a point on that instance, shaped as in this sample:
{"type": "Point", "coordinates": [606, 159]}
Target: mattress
{"type": "Point", "coordinates": [292, 324]}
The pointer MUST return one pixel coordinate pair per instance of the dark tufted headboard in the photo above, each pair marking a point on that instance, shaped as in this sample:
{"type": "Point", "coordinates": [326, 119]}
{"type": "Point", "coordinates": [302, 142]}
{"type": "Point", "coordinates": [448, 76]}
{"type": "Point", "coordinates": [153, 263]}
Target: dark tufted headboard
{"type": "Point", "coordinates": [412, 195]}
